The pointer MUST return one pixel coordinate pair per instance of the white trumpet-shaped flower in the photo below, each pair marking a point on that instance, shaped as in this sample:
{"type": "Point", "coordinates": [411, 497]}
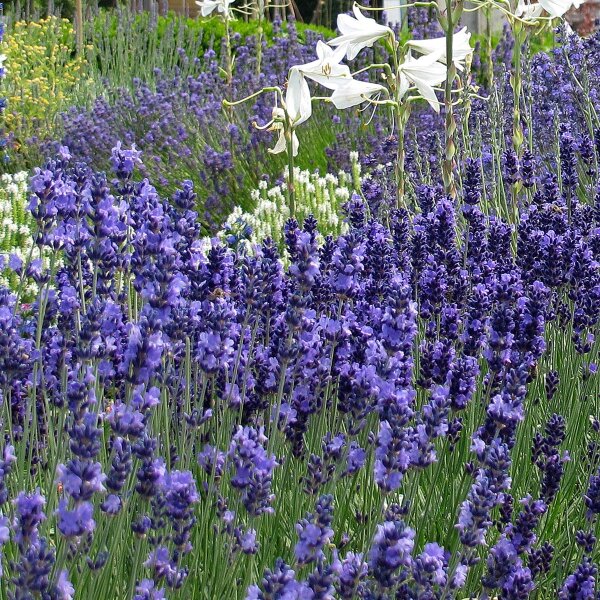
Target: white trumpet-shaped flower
{"type": "Point", "coordinates": [207, 7]}
{"type": "Point", "coordinates": [327, 68]}
{"type": "Point", "coordinates": [460, 47]}
{"type": "Point", "coordinates": [298, 103]}
{"type": "Point", "coordinates": [297, 108]}
{"type": "Point", "coordinates": [358, 32]}
{"type": "Point", "coordinates": [279, 125]}
{"type": "Point", "coordinates": [350, 92]}
{"type": "Point", "coordinates": [424, 73]}
{"type": "Point", "coordinates": [555, 8]}
{"type": "Point", "coordinates": [529, 11]}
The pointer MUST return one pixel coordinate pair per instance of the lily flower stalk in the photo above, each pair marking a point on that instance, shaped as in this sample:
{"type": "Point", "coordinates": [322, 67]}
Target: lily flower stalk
{"type": "Point", "coordinates": [524, 17]}
{"type": "Point", "coordinates": [527, 16]}
{"type": "Point", "coordinates": [457, 47]}
{"type": "Point", "coordinates": [406, 79]}
{"type": "Point", "coordinates": [421, 74]}
{"type": "Point", "coordinates": [288, 113]}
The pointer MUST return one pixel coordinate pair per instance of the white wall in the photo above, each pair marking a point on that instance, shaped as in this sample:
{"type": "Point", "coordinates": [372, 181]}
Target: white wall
{"type": "Point", "coordinates": [392, 11]}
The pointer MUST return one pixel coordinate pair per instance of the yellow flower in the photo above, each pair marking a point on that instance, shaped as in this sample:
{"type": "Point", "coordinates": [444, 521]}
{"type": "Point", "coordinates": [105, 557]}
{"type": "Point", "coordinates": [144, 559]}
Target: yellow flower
{"type": "Point", "coordinates": [42, 75]}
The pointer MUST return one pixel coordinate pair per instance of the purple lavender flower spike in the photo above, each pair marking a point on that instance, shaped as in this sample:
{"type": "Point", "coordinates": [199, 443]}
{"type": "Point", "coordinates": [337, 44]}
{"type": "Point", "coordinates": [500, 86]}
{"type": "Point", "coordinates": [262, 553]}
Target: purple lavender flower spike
{"type": "Point", "coordinates": [392, 549]}
{"type": "Point", "coordinates": [314, 532]}
{"type": "Point", "coordinates": [581, 585]}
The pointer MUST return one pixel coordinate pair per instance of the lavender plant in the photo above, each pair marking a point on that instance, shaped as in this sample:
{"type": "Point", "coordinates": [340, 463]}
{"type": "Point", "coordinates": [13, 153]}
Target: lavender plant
{"type": "Point", "coordinates": [176, 119]}
{"type": "Point", "coordinates": [402, 407]}
{"type": "Point", "coordinates": [398, 412]}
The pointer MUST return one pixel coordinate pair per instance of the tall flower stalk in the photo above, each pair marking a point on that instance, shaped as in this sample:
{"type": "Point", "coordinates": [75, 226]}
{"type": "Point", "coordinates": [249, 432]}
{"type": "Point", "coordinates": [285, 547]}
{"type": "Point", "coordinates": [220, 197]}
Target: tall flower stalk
{"type": "Point", "coordinates": [453, 10]}
{"type": "Point", "coordinates": [224, 12]}
{"type": "Point", "coordinates": [516, 82]}
{"type": "Point", "coordinates": [406, 79]}
{"type": "Point", "coordinates": [522, 18]}
{"type": "Point", "coordinates": [288, 113]}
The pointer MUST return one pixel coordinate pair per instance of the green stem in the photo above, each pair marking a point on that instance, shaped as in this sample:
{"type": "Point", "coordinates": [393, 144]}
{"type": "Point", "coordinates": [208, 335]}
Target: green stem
{"type": "Point", "coordinates": [517, 84]}
{"type": "Point", "coordinates": [489, 48]}
{"type": "Point", "coordinates": [134, 568]}
{"type": "Point", "coordinates": [400, 117]}
{"type": "Point", "coordinates": [452, 17]}
{"type": "Point", "coordinates": [291, 187]}
{"type": "Point", "coordinates": [229, 62]}
{"type": "Point", "coordinates": [400, 159]}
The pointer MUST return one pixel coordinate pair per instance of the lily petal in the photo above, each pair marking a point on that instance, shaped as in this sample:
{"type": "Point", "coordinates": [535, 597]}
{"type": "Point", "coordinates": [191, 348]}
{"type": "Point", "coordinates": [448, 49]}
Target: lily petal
{"type": "Point", "coordinates": [425, 73]}
{"type": "Point", "coordinates": [460, 47]}
{"type": "Point", "coordinates": [352, 92]}
{"type": "Point", "coordinates": [298, 103]}
{"type": "Point", "coordinates": [557, 8]}
{"type": "Point", "coordinates": [208, 6]}
{"type": "Point", "coordinates": [327, 68]}
{"type": "Point", "coordinates": [358, 32]}
{"type": "Point", "coordinates": [280, 146]}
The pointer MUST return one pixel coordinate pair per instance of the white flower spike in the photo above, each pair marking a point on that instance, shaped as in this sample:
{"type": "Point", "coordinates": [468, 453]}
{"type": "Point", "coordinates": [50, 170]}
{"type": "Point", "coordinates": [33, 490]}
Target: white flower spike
{"type": "Point", "coordinates": [207, 7]}
{"type": "Point", "coordinates": [460, 47]}
{"type": "Point", "coordinates": [351, 92]}
{"type": "Point", "coordinates": [424, 73]}
{"type": "Point", "coordinates": [358, 32]}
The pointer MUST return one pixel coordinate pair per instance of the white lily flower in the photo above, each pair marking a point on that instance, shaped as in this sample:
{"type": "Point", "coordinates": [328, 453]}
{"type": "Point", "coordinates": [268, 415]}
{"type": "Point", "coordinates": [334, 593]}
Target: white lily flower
{"type": "Point", "coordinates": [281, 145]}
{"type": "Point", "coordinates": [350, 92]}
{"type": "Point", "coordinates": [297, 109]}
{"type": "Point", "coordinates": [208, 6]}
{"type": "Point", "coordinates": [327, 68]}
{"type": "Point", "coordinates": [298, 103]}
{"type": "Point", "coordinates": [278, 124]}
{"type": "Point", "coordinates": [358, 33]}
{"type": "Point", "coordinates": [528, 11]}
{"type": "Point", "coordinates": [424, 73]}
{"type": "Point", "coordinates": [460, 47]}
{"type": "Point", "coordinates": [555, 8]}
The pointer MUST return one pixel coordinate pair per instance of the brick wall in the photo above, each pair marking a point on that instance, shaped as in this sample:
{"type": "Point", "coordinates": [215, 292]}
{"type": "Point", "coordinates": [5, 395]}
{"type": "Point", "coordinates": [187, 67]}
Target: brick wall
{"type": "Point", "coordinates": [584, 20]}
{"type": "Point", "coordinates": [184, 7]}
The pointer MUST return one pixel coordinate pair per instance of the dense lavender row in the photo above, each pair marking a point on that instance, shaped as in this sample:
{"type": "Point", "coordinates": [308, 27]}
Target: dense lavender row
{"type": "Point", "coordinates": [180, 126]}
{"type": "Point", "coordinates": [407, 409]}
{"type": "Point", "coordinates": [184, 422]}
{"type": "Point", "coordinates": [559, 118]}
